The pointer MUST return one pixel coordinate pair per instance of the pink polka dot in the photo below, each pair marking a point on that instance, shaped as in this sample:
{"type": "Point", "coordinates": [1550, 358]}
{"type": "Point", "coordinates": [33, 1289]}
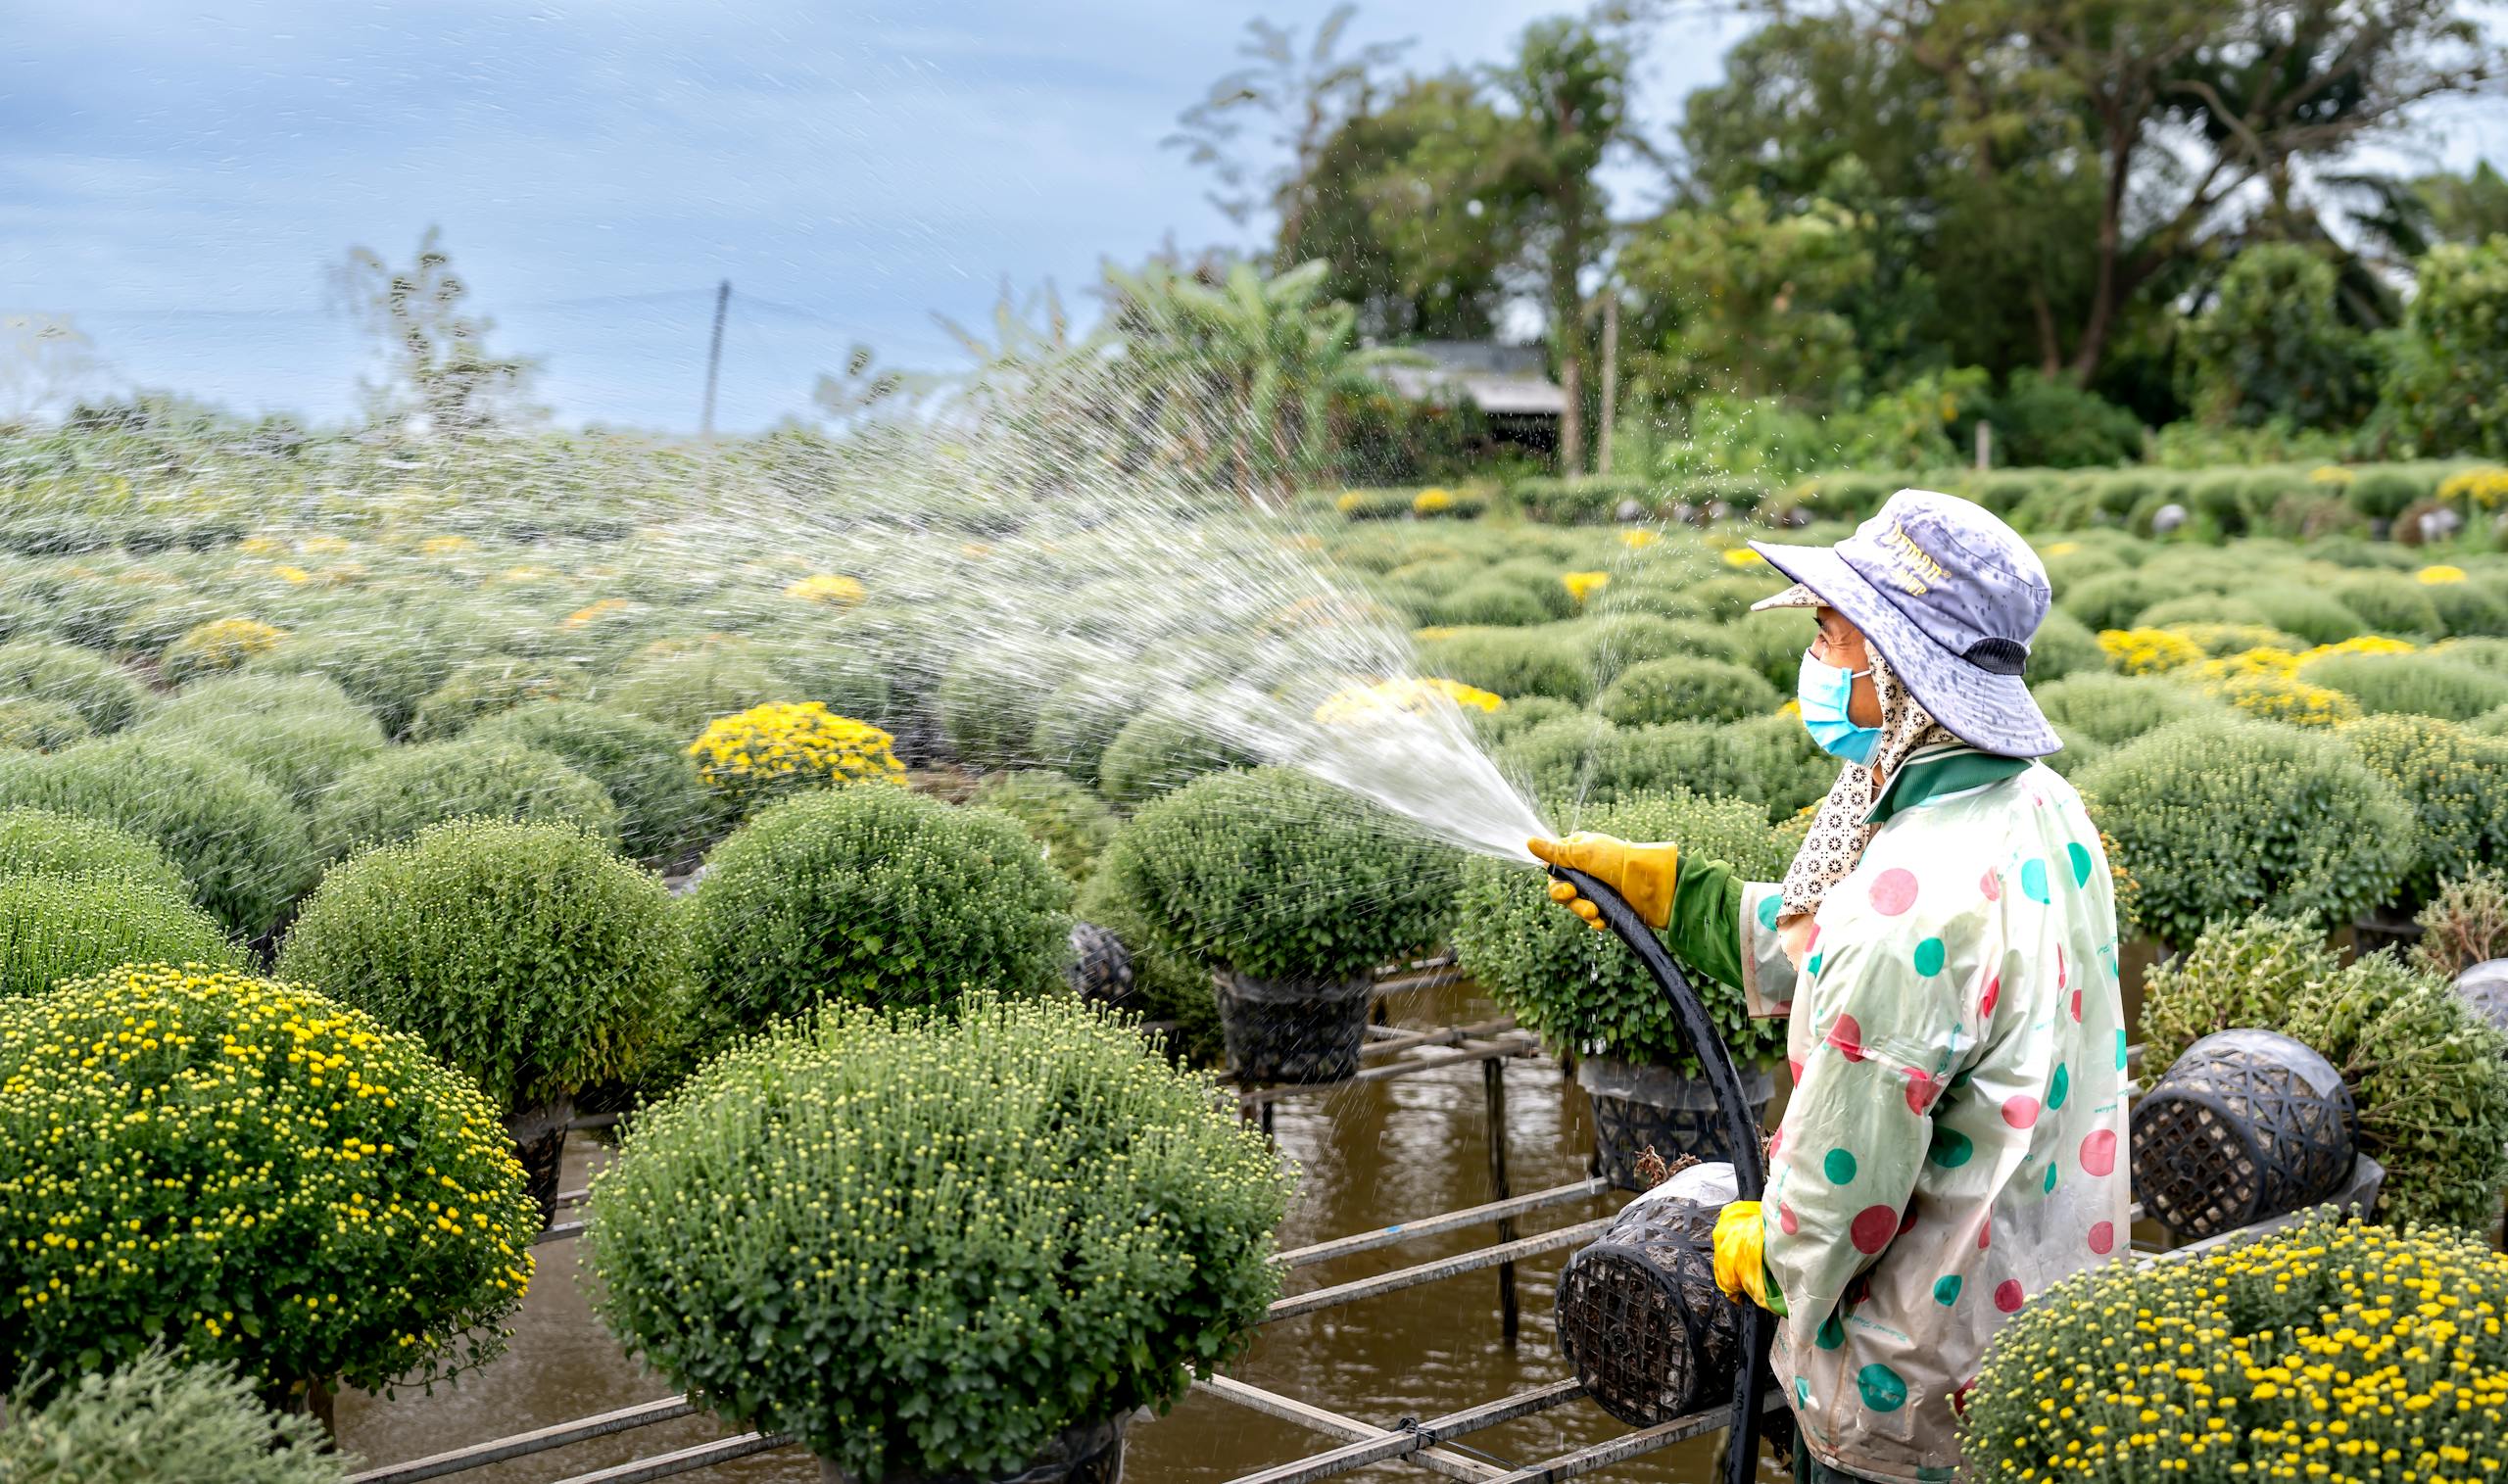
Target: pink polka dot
{"type": "Point", "coordinates": [1794, 1065]}
{"type": "Point", "coordinates": [1993, 993]}
{"type": "Point", "coordinates": [1775, 1142]}
{"type": "Point", "coordinates": [1990, 885]}
{"type": "Point", "coordinates": [1985, 1233]}
{"type": "Point", "coordinates": [2007, 1296]}
{"type": "Point", "coordinates": [2063, 975]}
{"type": "Point", "coordinates": [1907, 1220]}
{"type": "Point", "coordinates": [2076, 1007]}
{"type": "Point", "coordinates": [1894, 891]}
{"type": "Point", "coordinates": [1960, 1397]}
{"type": "Point", "coordinates": [1872, 1228]}
{"type": "Point", "coordinates": [2020, 1112]}
{"type": "Point", "coordinates": [1811, 940]}
{"type": "Point", "coordinates": [1848, 1037]}
{"type": "Point", "coordinates": [2102, 1237]}
{"type": "Point", "coordinates": [1920, 1092]}
{"type": "Point", "coordinates": [2098, 1152]}
{"type": "Point", "coordinates": [1785, 1220]}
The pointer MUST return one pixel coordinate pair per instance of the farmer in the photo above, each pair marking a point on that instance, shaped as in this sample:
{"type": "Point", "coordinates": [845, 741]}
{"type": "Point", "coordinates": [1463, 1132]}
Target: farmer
{"type": "Point", "coordinates": [1946, 945]}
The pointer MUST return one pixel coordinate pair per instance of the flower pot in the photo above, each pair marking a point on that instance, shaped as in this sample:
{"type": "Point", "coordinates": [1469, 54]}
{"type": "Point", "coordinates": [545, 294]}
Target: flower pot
{"type": "Point", "coordinates": [1639, 1315]}
{"type": "Point", "coordinates": [1638, 1106]}
{"type": "Point", "coordinates": [1291, 1031]}
{"type": "Point", "coordinates": [539, 1134]}
{"type": "Point", "coordinates": [2247, 1125]}
{"type": "Point", "coordinates": [1091, 1452]}
{"type": "Point", "coordinates": [2485, 987]}
{"type": "Point", "coordinates": [1102, 967]}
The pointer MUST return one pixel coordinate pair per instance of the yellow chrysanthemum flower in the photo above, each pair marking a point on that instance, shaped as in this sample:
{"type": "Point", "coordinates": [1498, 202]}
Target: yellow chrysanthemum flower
{"type": "Point", "coordinates": [1744, 556]}
{"type": "Point", "coordinates": [1417, 696]}
{"type": "Point", "coordinates": [2443, 572]}
{"type": "Point", "coordinates": [1431, 501]}
{"type": "Point", "coordinates": [2148, 652]}
{"type": "Point", "coordinates": [831, 588]}
{"type": "Point", "coordinates": [771, 750]}
{"type": "Point", "coordinates": [1639, 538]}
{"type": "Point", "coordinates": [1583, 585]}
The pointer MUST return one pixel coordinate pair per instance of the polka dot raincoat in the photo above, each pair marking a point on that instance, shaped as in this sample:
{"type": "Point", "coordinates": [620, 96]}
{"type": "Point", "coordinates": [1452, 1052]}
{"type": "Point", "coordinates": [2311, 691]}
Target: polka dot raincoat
{"type": "Point", "coordinates": [1955, 1138]}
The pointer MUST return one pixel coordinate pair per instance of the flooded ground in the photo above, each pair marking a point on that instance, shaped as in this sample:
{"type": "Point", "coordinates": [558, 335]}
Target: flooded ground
{"type": "Point", "coordinates": [1384, 1152]}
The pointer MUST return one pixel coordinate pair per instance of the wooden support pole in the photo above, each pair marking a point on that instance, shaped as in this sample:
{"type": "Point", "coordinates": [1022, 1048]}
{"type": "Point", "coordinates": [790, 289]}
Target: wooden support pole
{"type": "Point", "coordinates": [1493, 1082]}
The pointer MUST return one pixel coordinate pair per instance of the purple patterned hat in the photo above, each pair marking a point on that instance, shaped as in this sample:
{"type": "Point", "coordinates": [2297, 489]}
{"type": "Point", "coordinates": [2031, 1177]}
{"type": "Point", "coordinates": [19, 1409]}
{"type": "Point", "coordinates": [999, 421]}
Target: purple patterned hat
{"type": "Point", "coordinates": [1950, 596]}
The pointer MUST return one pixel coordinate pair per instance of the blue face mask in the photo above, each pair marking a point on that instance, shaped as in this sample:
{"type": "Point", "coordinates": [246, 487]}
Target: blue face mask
{"type": "Point", "coordinates": [1822, 690]}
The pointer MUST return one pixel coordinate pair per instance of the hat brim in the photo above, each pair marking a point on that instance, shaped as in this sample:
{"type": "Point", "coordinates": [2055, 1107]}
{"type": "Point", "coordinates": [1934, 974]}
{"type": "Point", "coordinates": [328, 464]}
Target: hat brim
{"type": "Point", "coordinates": [1795, 596]}
{"type": "Point", "coordinates": [1989, 711]}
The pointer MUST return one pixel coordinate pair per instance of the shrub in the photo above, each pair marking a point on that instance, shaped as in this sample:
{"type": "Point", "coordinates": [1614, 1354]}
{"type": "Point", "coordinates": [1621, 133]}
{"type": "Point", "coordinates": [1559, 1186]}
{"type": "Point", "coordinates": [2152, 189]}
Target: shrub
{"type": "Point", "coordinates": [488, 686]}
{"type": "Point", "coordinates": [930, 1246]}
{"type": "Point", "coordinates": [402, 790]}
{"type": "Point", "coordinates": [388, 671]}
{"type": "Point", "coordinates": [300, 753]}
{"type": "Point", "coordinates": [785, 748]}
{"type": "Point", "coordinates": [308, 1195]}
{"type": "Point", "coordinates": [1517, 717]}
{"type": "Point", "coordinates": [2465, 923]}
{"type": "Point", "coordinates": [2216, 640]}
{"type": "Point", "coordinates": [2422, 685]}
{"type": "Point", "coordinates": [1582, 991]}
{"type": "Point", "coordinates": [1167, 984]}
{"type": "Point", "coordinates": [1156, 752]}
{"type": "Point", "coordinates": [2438, 395]}
{"type": "Point", "coordinates": [2046, 422]}
{"type": "Point", "coordinates": [233, 835]}
{"type": "Point", "coordinates": [2454, 784]}
{"type": "Point", "coordinates": [2148, 652]}
{"type": "Point", "coordinates": [55, 928]}
{"type": "Point", "coordinates": [33, 724]}
{"type": "Point", "coordinates": [1077, 723]}
{"type": "Point", "coordinates": [527, 956]}
{"type": "Point", "coordinates": [682, 689]}
{"type": "Point", "coordinates": [1686, 690]}
{"type": "Point", "coordinates": [2303, 609]}
{"type": "Point", "coordinates": [1728, 598]}
{"type": "Point", "coordinates": [1280, 876]}
{"type": "Point", "coordinates": [2210, 611]}
{"type": "Point", "coordinates": [2243, 973]}
{"type": "Point", "coordinates": [874, 896]}
{"type": "Point", "coordinates": [1488, 601]}
{"type": "Point", "coordinates": [98, 690]}
{"type": "Point", "coordinates": [2468, 610]}
{"type": "Point", "coordinates": [2214, 816]}
{"type": "Point", "coordinates": [2273, 694]}
{"type": "Point", "coordinates": [2429, 1078]}
{"type": "Point", "coordinates": [1069, 823]}
{"type": "Point", "coordinates": [1614, 642]}
{"type": "Point", "coordinates": [43, 842]}
{"type": "Point", "coordinates": [990, 702]}
{"type": "Point", "coordinates": [158, 1421]}
{"type": "Point", "coordinates": [251, 694]}
{"type": "Point", "coordinates": [2389, 602]}
{"type": "Point", "coordinates": [1785, 770]}
{"type": "Point", "coordinates": [216, 647]}
{"type": "Point", "coordinates": [2113, 601]}
{"type": "Point", "coordinates": [1771, 644]}
{"type": "Point", "coordinates": [1511, 662]}
{"type": "Point", "coordinates": [2233, 1360]}
{"type": "Point", "coordinates": [2063, 646]}
{"type": "Point", "coordinates": [2107, 710]}
{"type": "Point", "coordinates": [663, 806]}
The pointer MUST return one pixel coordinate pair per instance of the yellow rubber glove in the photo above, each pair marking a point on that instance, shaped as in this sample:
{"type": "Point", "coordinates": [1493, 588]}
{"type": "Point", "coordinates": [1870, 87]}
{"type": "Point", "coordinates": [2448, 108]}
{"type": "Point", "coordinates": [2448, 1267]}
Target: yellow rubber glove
{"type": "Point", "coordinates": [1741, 1265]}
{"type": "Point", "coordinates": [1646, 874]}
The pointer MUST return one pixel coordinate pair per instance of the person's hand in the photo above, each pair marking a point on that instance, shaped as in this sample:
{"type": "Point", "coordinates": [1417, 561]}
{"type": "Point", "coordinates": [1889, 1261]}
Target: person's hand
{"type": "Point", "coordinates": [1646, 874]}
{"type": "Point", "coordinates": [1741, 1267]}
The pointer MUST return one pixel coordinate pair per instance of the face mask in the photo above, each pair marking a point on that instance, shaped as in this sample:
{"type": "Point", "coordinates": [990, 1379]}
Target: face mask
{"type": "Point", "coordinates": [1822, 690]}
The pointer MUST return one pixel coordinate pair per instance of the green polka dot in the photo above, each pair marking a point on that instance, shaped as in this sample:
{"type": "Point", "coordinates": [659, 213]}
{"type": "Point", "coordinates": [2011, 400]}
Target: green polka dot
{"type": "Point", "coordinates": [1929, 956]}
{"type": "Point", "coordinates": [1950, 1148]}
{"type": "Point", "coordinates": [1839, 1167]}
{"type": "Point", "coordinates": [2079, 855]}
{"type": "Point", "coordinates": [1769, 906]}
{"type": "Point", "coordinates": [2061, 1087]}
{"type": "Point", "coordinates": [1801, 1392]}
{"type": "Point", "coordinates": [1811, 970]}
{"type": "Point", "coordinates": [1946, 1289]}
{"type": "Point", "coordinates": [2050, 1176]}
{"type": "Point", "coordinates": [1831, 1335]}
{"type": "Point", "coordinates": [2120, 1049]}
{"type": "Point", "coordinates": [2033, 881]}
{"type": "Point", "coordinates": [1882, 1388]}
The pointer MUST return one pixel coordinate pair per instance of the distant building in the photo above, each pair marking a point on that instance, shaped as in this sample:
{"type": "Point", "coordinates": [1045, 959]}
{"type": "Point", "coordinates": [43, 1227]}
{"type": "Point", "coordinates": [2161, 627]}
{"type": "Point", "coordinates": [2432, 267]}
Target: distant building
{"type": "Point", "coordinates": [1505, 382]}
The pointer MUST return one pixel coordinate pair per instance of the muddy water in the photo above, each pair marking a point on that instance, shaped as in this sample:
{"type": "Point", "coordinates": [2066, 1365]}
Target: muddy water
{"type": "Point", "coordinates": [1384, 1152]}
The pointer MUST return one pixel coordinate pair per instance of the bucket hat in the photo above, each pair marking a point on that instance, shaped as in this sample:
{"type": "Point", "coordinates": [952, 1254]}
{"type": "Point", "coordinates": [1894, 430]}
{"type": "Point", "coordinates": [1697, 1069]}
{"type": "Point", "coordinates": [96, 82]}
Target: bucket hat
{"type": "Point", "coordinates": [1950, 596]}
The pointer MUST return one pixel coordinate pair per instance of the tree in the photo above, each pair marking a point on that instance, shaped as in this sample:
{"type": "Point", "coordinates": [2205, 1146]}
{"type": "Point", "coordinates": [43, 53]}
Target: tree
{"type": "Point", "coordinates": [440, 378]}
{"type": "Point", "coordinates": [2465, 208]}
{"type": "Point", "coordinates": [2445, 389]}
{"type": "Point", "coordinates": [2274, 345]}
{"type": "Point", "coordinates": [1742, 301]}
{"type": "Point", "coordinates": [1305, 97]}
{"type": "Point", "coordinates": [45, 360]}
{"type": "Point", "coordinates": [1241, 374]}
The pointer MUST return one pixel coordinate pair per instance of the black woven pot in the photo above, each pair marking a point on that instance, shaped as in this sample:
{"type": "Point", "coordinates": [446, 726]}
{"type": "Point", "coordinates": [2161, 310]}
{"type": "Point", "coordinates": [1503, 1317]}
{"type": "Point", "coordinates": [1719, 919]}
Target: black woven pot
{"type": "Point", "coordinates": [1102, 967]}
{"type": "Point", "coordinates": [2247, 1125]}
{"type": "Point", "coordinates": [1291, 1031]}
{"type": "Point", "coordinates": [1090, 1454]}
{"type": "Point", "coordinates": [1639, 1315]}
{"type": "Point", "coordinates": [1637, 1107]}
{"type": "Point", "coordinates": [539, 1135]}
{"type": "Point", "coordinates": [2485, 987]}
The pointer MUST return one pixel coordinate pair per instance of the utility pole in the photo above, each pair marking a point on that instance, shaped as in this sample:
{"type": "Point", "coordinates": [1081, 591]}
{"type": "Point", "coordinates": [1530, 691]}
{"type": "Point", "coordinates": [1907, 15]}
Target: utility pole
{"type": "Point", "coordinates": [714, 357]}
{"type": "Point", "coordinates": [1611, 378]}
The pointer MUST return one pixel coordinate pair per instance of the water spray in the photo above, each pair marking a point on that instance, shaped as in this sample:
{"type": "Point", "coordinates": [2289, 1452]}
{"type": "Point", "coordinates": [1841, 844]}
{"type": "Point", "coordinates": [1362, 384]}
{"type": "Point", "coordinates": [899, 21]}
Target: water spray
{"type": "Point", "coordinates": [1741, 1136]}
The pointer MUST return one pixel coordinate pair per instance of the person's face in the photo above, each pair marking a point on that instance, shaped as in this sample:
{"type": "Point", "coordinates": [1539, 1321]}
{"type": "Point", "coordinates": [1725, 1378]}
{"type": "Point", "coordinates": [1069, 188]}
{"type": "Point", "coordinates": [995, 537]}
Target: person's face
{"type": "Point", "coordinates": [1841, 643]}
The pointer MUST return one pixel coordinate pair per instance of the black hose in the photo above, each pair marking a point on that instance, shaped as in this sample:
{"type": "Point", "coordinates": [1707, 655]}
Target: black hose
{"type": "Point", "coordinates": [1741, 1136]}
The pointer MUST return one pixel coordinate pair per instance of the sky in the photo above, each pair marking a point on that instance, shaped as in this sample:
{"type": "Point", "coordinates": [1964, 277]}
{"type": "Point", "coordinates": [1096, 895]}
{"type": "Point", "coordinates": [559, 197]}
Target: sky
{"type": "Point", "coordinates": [179, 178]}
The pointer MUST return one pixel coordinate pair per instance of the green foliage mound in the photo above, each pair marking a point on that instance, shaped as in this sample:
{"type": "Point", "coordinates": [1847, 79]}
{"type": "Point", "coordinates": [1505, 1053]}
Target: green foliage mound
{"type": "Point", "coordinates": [1282, 877]}
{"type": "Point", "coordinates": [931, 1245]}
{"type": "Point", "coordinates": [2063, 646]}
{"type": "Point", "coordinates": [680, 690]}
{"type": "Point", "coordinates": [1582, 991]}
{"type": "Point", "coordinates": [249, 1172]}
{"type": "Point", "coordinates": [1156, 752]}
{"type": "Point", "coordinates": [2464, 924]}
{"type": "Point", "coordinates": [54, 928]}
{"type": "Point", "coordinates": [103, 692]}
{"type": "Point", "coordinates": [388, 670]}
{"type": "Point", "coordinates": [159, 1422]}
{"type": "Point", "coordinates": [2107, 710]}
{"type": "Point", "coordinates": [663, 807]}
{"type": "Point", "coordinates": [1517, 717]}
{"type": "Point", "coordinates": [874, 896]}
{"type": "Point", "coordinates": [43, 842]}
{"type": "Point", "coordinates": [301, 753]}
{"type": "Point", "coordinates": [2214, 815]}
{"type": "Point", "coordinates": [1511, 662]}
{"type": "Point", "coordinates": [2389, 602]}
{"type": "Point", "coordinates": [2456, 785]}
{"type": "Point", "coordinates": [402, 790]}
{"type": "Point", "coordinates": [2306, 610]}
{"type": "Point", "coordinates": [2243, 973]}
{"type": "Point", "coordinates": [1686, 690]}
{"type": "Point", "coordinates": [490, 685]}
{"type": "Point", "coordinates": [2422, 685]}
{"type": "Point", "coordinates": [989, 703]}
{"type": "Point", "coordinates": [230, 833]}
{"type": "Point", "coordinates": [1069, 823]}
{"type": "Point", "coordinates": [527, 956]}
{"type": "Point", "coordinates": [33, 724]}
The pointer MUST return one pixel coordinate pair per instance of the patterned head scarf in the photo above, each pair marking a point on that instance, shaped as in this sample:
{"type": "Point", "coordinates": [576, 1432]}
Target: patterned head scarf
{"type": "Point", "coordinates": [1839, 832]}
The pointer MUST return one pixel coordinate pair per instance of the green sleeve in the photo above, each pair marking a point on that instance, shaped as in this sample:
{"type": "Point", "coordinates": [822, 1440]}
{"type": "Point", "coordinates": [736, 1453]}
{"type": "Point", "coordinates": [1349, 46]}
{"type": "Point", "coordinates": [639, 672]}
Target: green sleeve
{"type": "Point", "coordinates": [1704, 930]}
